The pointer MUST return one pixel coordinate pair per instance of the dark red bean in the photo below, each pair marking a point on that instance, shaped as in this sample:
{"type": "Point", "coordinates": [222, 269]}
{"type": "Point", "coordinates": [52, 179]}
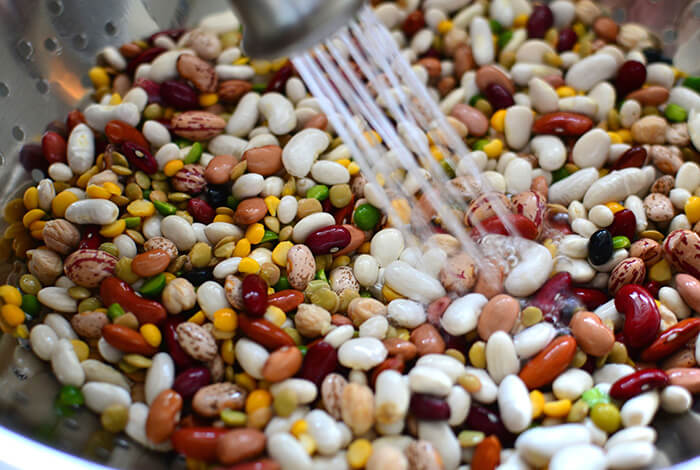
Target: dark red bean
{"type": "Point", "coordinates": [630, 76]}
{"type": "Point", "coordinates": [266, 333]}
{"type": "Point", "coordinates": [498, 96]}
{"type": "Point", "coordinates": [540, 20]}
{"type": "Point", "coordinates": [653, 288]}
{"type": "Point", "coordinates": [59, 127]}
{"type": "Point", "coordinates": [642, 316]}
{"type": "Point", "coordinates": [181, 359]}
{"type": "Point", "coordinates": [140, 157]}
{"type": "Point", "coordinates": [189, 381]}
{"type": "Point", "coordinates": [552, 294]}
{"type": "Point", "coordinates": [591, 298]}
{"type": "Point", "coordinates": [31, 156]}
{"type": "Point", "coordinates": [91, 239]}
{"type": "Point", "coordinates": [119, 132]}
{"type": "Point", "coordinates": [328, 239]}
{"type": "Point", "coordinates": [151, 88]}
{"type": "Point", "coordinates": [489, 422]}
{"type": "Point", "coordinates": [178, 95]}
{"type": "Point", "coordinates": [562, 123]}
{"type": "Point", "coordinates": [567, 39]}
{"type": "Point", "coordinates": [254, 294]}
{"type": "Point", "coordinates": [201, 211]}
{"type": "Point", "coordinates": [634, 157]}
{"type": "Point", "coordinates": [320, 360]}
{"type": "Point", "coordinates": [624, 223]}
{"type": "Point", "coordinates": [413, 23]}
{"type": "Point", "coordinates": [146, 56]}
{"type": "Point", "coordinates": [672, 339]}
{"type": "Point", "coordinates": [54, 147]}
{"type": "Point", "coordinates": [638, 382]}
{"type": "Point", "coordinates": [74, 118]}
{"type": "Point", "coordinates": [344, 214]}
{"type": "Point", "coordinates": [279, 79]}
{"type": "Point", "coordinates": [429, 408]}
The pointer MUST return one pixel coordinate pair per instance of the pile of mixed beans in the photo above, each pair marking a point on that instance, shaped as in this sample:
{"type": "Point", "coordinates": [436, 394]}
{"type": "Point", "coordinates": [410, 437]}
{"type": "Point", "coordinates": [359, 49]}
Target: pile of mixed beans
{"type": "Point", "coordinates": [206, 273]}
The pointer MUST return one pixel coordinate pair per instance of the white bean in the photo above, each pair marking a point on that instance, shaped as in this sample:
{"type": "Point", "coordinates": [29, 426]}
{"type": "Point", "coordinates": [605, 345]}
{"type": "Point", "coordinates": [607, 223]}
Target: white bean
{"type": "Point", "coordinates": [80, 151]}
{"type": "Point", "coordinates": [361, 353]}
{"type": "Point", "coordinates": [98, 115]}
{"type": "Point", "coordinates": [631, 434]}
{"type": "Point", "coordinates": [590, 71]}
{"type": "Point", "coordinates": [571, 384]}
{"type": "Point", "coordinates": [251, 356]}
{"type": "Point", "coordinates": [156, 133]}
{"type": "Point", "coordinates": [386, 246]}
{"type": "Point", "coordinates": [459, 402]}
{"type": "Point", "coordinates": [302, 150]}
{"type": "Point", "coordinates": [412, 283]}
{"type": "Point", "coordinates": [108, 352]}
{"type": "Point", "coordinates": [591, 149]}
{"type": "Point", "coordinates": [57, 298]}
{"type": "Point", "coordinates": [640, 410]}
{"type": "Point", "coordinates": [65, 364]}
{"type": "Point", "coordinates": [98, 371]}
{"type": "Point", "coordinates": [538, 445]}
{"type": "Point", "coordinates": [501, 358]}
{"type": "Point", "coordinates": [489, 390]}
{"type": "Point", "coordinates": [366, 270]}
{"type": "Point", "coordinates": [126, 246]}
{"type": "Point", "coordinates": [543, 96]}
{"type": "Point", "coordinates": [310, 224]}
{"type": "Point", "coordinates": [305, 390]}
{"type": "Point", "coordinates": [278, 111]}
{"type": "Point", "coordinates": [283, 447]}
{"type": "Point", "coordinates": [92, 211]}
{"type": "Point", "coordinates": [461, 316]}
{"type": "Point", "coordinates": [234, 72]}
{"type": "Point", "coordinates": [136, 428]}
{"type": "Point", "coordinates": [100, 395]}
{"type": "Point", "coordinates": [441, 436]}
{"type": "Point", "coordinates": [43, 340]}
{"type": "Point", "coordinates": [482, 41]}
{"type": "Point", "coordinates": [578, 457]}
{"type": "Point", "coordinates": [244, 116]}
{"type": "Point", "coordinates": [179, 231]}
{"type": "Point", "coordinates": [533, 339]}
{"type": "Point", "coordinates": [160, 376]}
{"type": "Point", "coordinates": [329, 173]}
{"type": "Point", "coordinates": [676, 399]}
{"type": "Point", "coordinates": [630, 456]}
{"type": "Point", "coordinates": [211, 297]}
{"type": "Point", "coordinates": [514, 404]}
{"type": "Point", "coordinates": [392, 397]}
{"type": "Point", "coordinates": [339, 335]}
{"type": "Point", "coordinates": [449, 365]}
{"type": "Point", "coordinates": [517, 123]}
{"type": "Point", "coordinates": [573, 187]}
{"type": "Point", "coordinates": [375, 327]}
{"type": "Point", "coordinates": [402, 312]}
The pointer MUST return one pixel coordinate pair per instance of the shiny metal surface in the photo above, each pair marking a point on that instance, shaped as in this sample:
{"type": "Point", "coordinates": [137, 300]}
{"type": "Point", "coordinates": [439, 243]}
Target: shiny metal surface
{"type": "Point", "coordinates": [276, 28]}
{"type": "Point", "coordinates": [46, 49]}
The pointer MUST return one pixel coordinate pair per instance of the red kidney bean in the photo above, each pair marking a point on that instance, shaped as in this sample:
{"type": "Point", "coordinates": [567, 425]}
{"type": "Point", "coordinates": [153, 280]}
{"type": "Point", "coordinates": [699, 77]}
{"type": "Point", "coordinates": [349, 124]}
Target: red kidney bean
{"type": "Point", "coordinates": [127, 340]}
{"type": "Point", "coordinates": [178, 95]}
{"type": "Point", "coordinates": [638, 382]}
{"type": "Point", "coordinates": [31, 156]}
{"type": "Point", "coordinates": [173, 34]}
{"type": "Point", "coordinates": [413, 23]}
{"type": "Point", "coordinates": [54, 147]}
{"type": "Point", "coordinates": [498, 96]}
{"type": "Point", "coordinates": [91, 238]}
{"type": "Point", "coordinates": [671, 340]}
{"type": "Point", "coordinates": [344, 214]}
{"type": "Point", "coordinates": [634, 157]}
{"type": "Point", "coordinates": [181, 358]}
{"type": "Point", "coordinates": [146, 56]}
{"type": "Point", "coordinates": [265, 333]}
{"type": "Point", "coordinates": [567, 39]}
{"type": "Point", "coordinates": [254, 294]}
{"type": "Point", "coordinates": [74, 118]}
{"type": "Point", "coordinates": [396, 363]}
{"type": "Point", "coordinates": [287, 299]}
{"type": "Point", "coordinates": [540, 20]}
{"type": "Point", "coordinates": [189, 381]}
{"type": "Point", "coordinates": [59, 127]}
{"type": "Point", "coordinates": [591, 298]}
{"type": "Point", "coordinates": [201, 211]}
{"type": "Point", "coordinates": [562, 123]}
{"type": "Point", "coordinates": [429, 408]}
{"type": "Point", "coordinates": [489, 422]}
{"type": "Point", "coordinates": [549, 297]}
{"type": "Point", "coordinates": [140, 158]}
{"type": "Point", "coordinates": [494, 224]}
{"type": "Point", "coordinates": [630, 76]}
{"type": "Point", "coordinates": [624, 223]}
{"type": "Point", "coordinates": [119, 132]}
{"type": "Point", "coordinates": [198, 443]}
{"type": "Point", "coordinates": [114, 290]}
{"type": "Point", "coordinates": [320, 360]}
{"type": "Point", "coordinates": [279, 79]}
{"type": "Point", "coordinates": [151, 88]}
{"type": "Point", "coordinates": [653, 288]}
{"type": "Point", "coordinates": [328, 239]}
{"type": "Point", "coordinates": [263, 464]}
{"type": "Point", "coordinates": [642, 316]}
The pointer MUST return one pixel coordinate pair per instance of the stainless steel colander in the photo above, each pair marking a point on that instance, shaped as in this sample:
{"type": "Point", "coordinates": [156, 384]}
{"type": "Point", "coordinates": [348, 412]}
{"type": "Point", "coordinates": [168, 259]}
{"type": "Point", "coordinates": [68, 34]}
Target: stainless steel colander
{"type": "Point", "coordinates": [46, 50]}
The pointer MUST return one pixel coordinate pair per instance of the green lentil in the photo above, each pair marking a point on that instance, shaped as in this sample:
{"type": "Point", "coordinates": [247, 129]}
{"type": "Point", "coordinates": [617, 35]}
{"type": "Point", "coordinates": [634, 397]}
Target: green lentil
{"type": "Point", "coordinates": [115, 417]}
{"type": "Point", "coordinates": [692, 82]}
{"type": "Point", "coordinates": [294, 335]}
{"type": "Point", "coordinates": [185, 215]}
{"type": "Point", "coordinates": [30, 304]}
{"type": "Point", "coordinates": [110, 248]}
{"type": "Point", "coordinates": [650, 111]}
{"type": "Point", "coordinates": [238, 170]}
{"type": "Point", "coordinates": [606, 416]}
{"type": "Point", "coordinates": [552, 58]}
{"type": "Point", "coordinates": [551, 36]}
{"type": "Point", "coordinates": [132, 222]}
{"type": "Point", "coordinates": [136, 236]}
{"type": "Point", "coordinates": [325, 298]}
{"type": "Point", "coordinates": [153, 111]}
{"type": "Point", "coordinates": [272, 223]}
{"type": "Point", "coordinates": [128, 320]}
{"type": "Point", "coordinates": [620, 241]}
{"type": "Point", "coordinates": [618, 354]}
{"type": "Point", "coordinates": [319, 192]}
{"type": "Point", "coordinates": [579, 359]}
{"type": "Point", "coordinates": [115, 311]}
{"type": "Point", "coordinates": [269, 236]}
{"type": "Point", "coordinates": [125, 367]}
{"type": "Point", "coordinates": [200, 255]}
{"type": "Point", "coordinates": [579, 410]}
{"type": "Point", "coordinates": [164, 208]}
{"type": "Point", "coordinates": [70, 396]}
{"type": "Point", "coordinates": [340, 194]}
{"type": "Point", "coordinates": [89, 304]}
{"type": "Point", "coordinates": [480, 144]}
{"type": "Point", "coordinates": [345, 297]}
{"type": "Point", "coordinates": [496, 27]}
{"type": "Point", "coordinates": [233, 418]}
{"type": "Point", "coordinates": [78, 293]}
{"type": "Point", "coordinates": [484, 106]}
{"type": "Point", "coordinates": [470, 438]}
{"type": "Point", "coordinates": [142, 180]}
{"type": "Point", "coordinates": [506, 58]}
{"type": "Point", "coordinates": [123, 270]}
{"type": "Point", "coordinates": [259, 87]}
{"type": "Point", "coordinates": [504, 38]}
{"type": "Point", "coordinates": [282, 284]}
{"type": "Point", "coordinates": [475, 98]}
{"type": "Point", "coordinates": [531, 316]}
{"type": "Point", "coordinates": [285, 402]}
{"type": "Point", "coordinates": [477, 355]}
{"type": "Point", "coordinates": [194, 154]}
{"type": "Point", "coordinates": [593, 396]}
{"type": "Point", "coordinates": [179, 197]}
{"type": "Point", "coordinates": [560, 174]}
{"type": "Point", "coordinates": [613, 119]}
{"type": "Point", "coordinates": [366, 216]}
{"type": "Point", "coordinates": [154, 286]}
{"type": "Point", "coordinates": [675, 113]}
{"type": "Point", "coordinates": [29, 284]}
{"type": "Point", "coordinates": [286, 233]}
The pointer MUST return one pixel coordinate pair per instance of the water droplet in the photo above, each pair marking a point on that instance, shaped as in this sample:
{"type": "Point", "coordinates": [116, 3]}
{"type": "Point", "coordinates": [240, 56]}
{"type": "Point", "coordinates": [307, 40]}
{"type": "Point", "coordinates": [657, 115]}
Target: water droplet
{"type": "Point", "coordinates": [42, 86]}
{"type": "Point", "coordinates": [4, 90]}
{"type": "Point", "coordinates": [25, 50]}
{"type": "Point", "coordinates": [52, 45]}
{"type": "Point", "coordinates": [80, 41]}
{"type": "Point", "coordinates": [110, 28]}
{"type": "Point", "coordinates": [55, 7]}
{"type": "Point", "coordinates": [18, 133]}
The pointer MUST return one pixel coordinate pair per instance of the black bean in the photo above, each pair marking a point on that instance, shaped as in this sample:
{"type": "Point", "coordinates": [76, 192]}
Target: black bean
{"type": "Point", "coordinates": [600, 247]}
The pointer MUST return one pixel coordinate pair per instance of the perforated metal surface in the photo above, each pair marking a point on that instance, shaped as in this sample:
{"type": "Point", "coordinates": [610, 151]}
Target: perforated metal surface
{"type": "Point", "coordinates": [46, 50]}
